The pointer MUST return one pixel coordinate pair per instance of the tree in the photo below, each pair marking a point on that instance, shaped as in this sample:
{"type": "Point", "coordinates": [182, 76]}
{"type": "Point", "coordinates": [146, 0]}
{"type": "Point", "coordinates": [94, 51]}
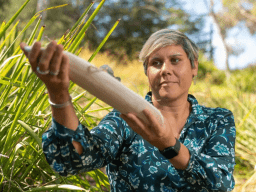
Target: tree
{"type": "Point", "coordinates": [41, 5]}
{"type": "Point", "coordinates": [3, 6]}
{"type": "Point", "coordinates": [237, 11]}
{"type": "Point", "coordinates": [221, 31]}
{"type": "Point", "coordinates": [233, 12]}
{"type": "Point", "coordinates": [139, 19]}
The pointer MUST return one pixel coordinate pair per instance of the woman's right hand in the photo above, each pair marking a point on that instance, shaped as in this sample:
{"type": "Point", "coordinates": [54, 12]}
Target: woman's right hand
{"type": "Point", "coordinates": [55, 64]}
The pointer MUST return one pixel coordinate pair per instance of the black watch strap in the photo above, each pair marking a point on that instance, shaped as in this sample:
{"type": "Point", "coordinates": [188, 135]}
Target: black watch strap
{"type": "Point", "coordinates": [171, 152]}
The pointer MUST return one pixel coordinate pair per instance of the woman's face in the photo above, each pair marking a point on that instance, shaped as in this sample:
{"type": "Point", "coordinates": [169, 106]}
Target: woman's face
{"type": "Point", "coordinates": [170, 73]}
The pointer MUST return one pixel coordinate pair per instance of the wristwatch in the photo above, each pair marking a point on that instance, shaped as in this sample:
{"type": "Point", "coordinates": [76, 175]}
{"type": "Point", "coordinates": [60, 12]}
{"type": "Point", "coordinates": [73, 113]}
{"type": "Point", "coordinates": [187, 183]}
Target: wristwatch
{"type": "Point", "coordinates": [172, 151]}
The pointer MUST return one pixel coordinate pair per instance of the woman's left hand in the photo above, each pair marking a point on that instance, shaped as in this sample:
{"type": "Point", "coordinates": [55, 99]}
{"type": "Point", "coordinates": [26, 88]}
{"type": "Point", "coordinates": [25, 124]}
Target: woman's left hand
{"type": "Point", "coordinates": [157, 135]}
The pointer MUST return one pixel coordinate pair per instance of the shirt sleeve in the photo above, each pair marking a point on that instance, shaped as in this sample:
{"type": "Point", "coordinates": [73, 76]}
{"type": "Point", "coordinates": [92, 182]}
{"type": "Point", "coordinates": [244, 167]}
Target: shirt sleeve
{"type": "Point", "coordinates": [100, 145]}
{"type": "Point", "coordinates": [213, 168]}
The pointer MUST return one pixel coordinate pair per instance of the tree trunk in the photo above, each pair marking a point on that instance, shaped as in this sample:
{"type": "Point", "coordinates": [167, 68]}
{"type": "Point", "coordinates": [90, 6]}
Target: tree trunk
{"type": "Point", "coordinates": [221, 34]}
{"type": "Point", "coordinates": [41, 5]}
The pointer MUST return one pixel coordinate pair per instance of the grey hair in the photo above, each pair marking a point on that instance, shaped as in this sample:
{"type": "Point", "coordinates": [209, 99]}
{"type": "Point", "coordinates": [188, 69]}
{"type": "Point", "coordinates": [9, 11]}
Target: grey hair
{"type": "Point", "coordinates": [164, 38]}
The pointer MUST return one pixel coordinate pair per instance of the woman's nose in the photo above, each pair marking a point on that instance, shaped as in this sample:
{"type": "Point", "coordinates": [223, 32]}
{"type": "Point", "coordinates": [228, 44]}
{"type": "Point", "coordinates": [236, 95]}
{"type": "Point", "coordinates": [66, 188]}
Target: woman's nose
{"type": "Point", "coordinates": [166, 68]}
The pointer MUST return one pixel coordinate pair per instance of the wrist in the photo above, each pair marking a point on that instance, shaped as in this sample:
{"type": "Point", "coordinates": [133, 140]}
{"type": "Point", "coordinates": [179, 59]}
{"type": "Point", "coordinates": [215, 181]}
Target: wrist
{"type": "Point", "coordinates": [171, 151]}
{"type": "Point", "coordinates": [166, 143]}
{"type": "Point", "coordinates": [59, 97]}
{"type": "Point", "coordinates": [61, 105]}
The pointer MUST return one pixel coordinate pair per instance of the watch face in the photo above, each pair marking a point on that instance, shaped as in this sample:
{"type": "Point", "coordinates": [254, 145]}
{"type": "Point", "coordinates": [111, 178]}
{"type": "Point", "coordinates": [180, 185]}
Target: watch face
{"type": "Point", "coordinates": [171, 152]}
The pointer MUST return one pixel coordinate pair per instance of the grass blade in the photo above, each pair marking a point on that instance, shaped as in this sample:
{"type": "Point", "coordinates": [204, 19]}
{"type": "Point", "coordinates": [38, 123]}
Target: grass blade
{"type": "Point", "coordinates": [58, 187]}
{"type": "Point", "coordinates": [80, 19]}
{"type": "Point", "coordinates": [81, 34]}
{"type": "Point", "coordinates": [6, 26]}
{"type": "Point", "coordinates": [31, 132]}
{"type": "Point", "coordinates": [104, 41]}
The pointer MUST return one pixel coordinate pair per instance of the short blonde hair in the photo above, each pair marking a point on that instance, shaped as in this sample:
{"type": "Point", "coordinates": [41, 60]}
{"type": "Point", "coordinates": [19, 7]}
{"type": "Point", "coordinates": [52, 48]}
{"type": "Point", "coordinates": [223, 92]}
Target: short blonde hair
{"type": "Point", "coordinates": [164, 38]}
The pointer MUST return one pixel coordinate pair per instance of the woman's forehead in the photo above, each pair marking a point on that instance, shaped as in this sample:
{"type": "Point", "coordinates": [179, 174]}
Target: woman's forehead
{"type": "Point", "coordinates": [170, 50]}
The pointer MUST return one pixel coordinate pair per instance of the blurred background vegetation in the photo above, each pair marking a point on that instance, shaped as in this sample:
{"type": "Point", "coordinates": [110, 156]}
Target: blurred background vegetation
{"type": "Point", "coordinates": [23, 167]}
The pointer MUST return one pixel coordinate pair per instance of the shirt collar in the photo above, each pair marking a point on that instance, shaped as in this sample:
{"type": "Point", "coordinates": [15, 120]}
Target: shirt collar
{"type": "Point", "coordinates": [197, 112]}
{"type": "Point", "coordinates": [196, 108]}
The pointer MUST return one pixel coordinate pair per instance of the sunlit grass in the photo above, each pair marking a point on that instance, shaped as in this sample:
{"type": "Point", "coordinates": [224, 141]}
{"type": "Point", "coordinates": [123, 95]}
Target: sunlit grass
{"type": "Point", "coordinates": [25, 114]}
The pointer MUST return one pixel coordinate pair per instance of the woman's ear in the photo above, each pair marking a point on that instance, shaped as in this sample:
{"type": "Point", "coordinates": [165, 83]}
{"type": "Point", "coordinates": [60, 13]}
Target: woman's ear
{"type": "Point", "coordinates": [195, 69]}
{"type": "Point", "coordinates": [145, 67]}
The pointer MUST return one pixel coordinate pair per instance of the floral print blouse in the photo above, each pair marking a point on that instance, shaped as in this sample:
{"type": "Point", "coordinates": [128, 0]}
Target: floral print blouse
{"type": "Point", "coordinates": [133, 164]}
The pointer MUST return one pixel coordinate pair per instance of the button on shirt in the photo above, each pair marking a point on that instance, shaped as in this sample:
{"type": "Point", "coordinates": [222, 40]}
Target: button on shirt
{"type": "Point", "coordinates": [133, 164]}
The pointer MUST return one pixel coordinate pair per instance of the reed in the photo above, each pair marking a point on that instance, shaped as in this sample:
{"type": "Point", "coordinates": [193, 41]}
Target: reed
{"type": "Point", "coordinates": [25, 113]}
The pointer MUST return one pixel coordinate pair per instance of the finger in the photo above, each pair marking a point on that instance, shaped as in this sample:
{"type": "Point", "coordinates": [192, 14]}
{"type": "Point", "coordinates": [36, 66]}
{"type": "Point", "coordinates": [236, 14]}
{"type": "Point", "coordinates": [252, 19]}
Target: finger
{"type": "Point", "coordinates": [64, 68]}
{"type": "Point", "coordinates": [130, 122]}
{"type": "Point", "coordinates": [154, 124]}
{"type": "Point", "coordinates": [127, 119]}
{"type": "Point", "coordinates": [137, 120]}
{"type": "Point", "coordinates": [34, 55]}
{"type": "Point", "coordinates": [47, 56]}
{"type": "Point", "coordinates": [135, 123]}
{"type": "Point", "coordinates": [56, 60]}
{"type": "Point", "coordinates": [22, 45]}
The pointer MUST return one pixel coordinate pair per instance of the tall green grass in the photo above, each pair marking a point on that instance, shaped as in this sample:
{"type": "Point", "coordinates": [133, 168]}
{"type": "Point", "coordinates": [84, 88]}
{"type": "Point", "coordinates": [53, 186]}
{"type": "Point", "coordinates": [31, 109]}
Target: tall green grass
{"type": "Point", "coordinates": [243, 106]}
{"type": "Point", "coordinates": [25, 113]}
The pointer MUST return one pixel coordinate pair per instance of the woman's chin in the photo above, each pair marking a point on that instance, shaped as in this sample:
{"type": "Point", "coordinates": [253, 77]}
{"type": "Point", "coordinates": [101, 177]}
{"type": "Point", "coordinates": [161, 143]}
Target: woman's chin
{"type": "Point", "coordinates": [168, 94]}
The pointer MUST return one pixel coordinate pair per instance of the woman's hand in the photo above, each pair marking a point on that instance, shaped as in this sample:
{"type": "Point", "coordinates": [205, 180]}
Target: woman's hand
{"type": "Point", "coordinates": [157, 135]}
{"type": "Point", "coordinates": [52, 67]}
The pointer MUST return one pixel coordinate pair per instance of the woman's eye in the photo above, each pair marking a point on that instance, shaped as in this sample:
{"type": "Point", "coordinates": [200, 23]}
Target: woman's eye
{"type": "Point", "coordinates": [156, 63]}
{"type": "Point", "coordinates": [175, 60]}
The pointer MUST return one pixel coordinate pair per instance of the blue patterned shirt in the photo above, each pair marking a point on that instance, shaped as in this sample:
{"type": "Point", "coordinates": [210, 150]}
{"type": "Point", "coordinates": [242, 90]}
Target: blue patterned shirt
{"type": "Point", "coordinates": [133, 164]}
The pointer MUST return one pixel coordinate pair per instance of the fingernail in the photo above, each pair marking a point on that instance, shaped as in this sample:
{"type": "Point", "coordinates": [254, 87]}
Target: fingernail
{"type": "Point", "coordinates": [27, 48]}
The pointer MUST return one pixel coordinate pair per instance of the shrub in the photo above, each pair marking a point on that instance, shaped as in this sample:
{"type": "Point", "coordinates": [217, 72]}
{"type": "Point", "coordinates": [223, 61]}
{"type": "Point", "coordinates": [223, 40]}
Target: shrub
{"type": "Point", "coordinates": [207, 69]}
{"type": "Point", "coordinates": [244, 80]}
{"type": "Point", "coordinates": [25, 112]}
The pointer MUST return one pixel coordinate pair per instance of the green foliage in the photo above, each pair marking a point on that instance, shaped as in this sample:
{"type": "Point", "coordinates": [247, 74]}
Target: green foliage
{"type": "Point", "coordinates": [205, 66]}
{"type": "Point", "coordinates": [206, 69]}
{"type": "Point", "coordinates": [218, 77]}
{"type": "Point", "coordinates": [245, 80]}
{"type": "Point", "coordinates": [25, 114]}
{"type": "Point", "coordinates": [59, 21]}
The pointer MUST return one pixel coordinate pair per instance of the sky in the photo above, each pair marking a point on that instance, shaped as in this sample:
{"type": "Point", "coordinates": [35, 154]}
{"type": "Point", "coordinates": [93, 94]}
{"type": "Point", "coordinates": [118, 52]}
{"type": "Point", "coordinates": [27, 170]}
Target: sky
{"type": "Point", "coordinates": [238, 36]}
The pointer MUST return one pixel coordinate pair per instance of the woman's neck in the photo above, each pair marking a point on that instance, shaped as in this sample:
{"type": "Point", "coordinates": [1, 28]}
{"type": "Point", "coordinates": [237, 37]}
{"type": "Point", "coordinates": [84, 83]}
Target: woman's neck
{"type": "Point", "coordinates": [177, 110]}
{"type": "Point", "coordinates": [175, 113]}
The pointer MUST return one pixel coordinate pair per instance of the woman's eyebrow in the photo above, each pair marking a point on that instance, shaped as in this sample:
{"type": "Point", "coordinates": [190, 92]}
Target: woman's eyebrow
{"type": "Point", "coordinates": [175, 54]}
{"type": "Point", "coordinates": [155, 58]}
{"type": "Point", "coordinates": [172, 55]}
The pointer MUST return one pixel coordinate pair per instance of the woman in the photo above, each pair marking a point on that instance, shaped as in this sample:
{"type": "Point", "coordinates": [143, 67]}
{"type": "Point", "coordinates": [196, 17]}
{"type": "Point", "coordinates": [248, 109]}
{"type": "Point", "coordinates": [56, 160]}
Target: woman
{"type": "Point", "coordinates": [194, 151]}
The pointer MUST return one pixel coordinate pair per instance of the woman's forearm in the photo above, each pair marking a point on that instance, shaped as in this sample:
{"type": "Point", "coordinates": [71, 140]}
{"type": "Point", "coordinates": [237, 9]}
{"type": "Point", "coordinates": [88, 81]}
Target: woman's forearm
{"type": "Point", "coordinates": [182, 159]}
{"type": "Point", "coordinates": [52, 67]}
{"type": "Point", "coordinates": [65, 116]}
